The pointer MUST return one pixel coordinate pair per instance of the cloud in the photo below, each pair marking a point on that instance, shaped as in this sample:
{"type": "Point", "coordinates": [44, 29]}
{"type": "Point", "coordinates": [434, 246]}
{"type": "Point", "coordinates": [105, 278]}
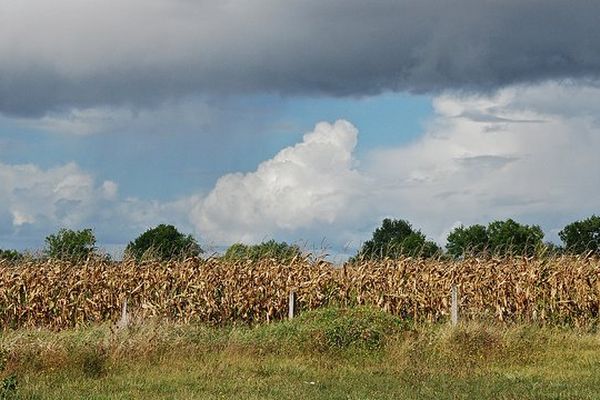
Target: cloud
{"type": "Point", "coordinates": [524, 156]}
{"type": "Point", "coordinates": [477, 170]}
{"type": "Point", "coordinates": [310, 184]}
{"type": "Point", "coordinates": [31, 194]}
{"type": "Point", "coordinates": [137, 53]}
{"type": "Point", "coordinates": [36, 201]}
{"type": "Point", "coordinates": [462, 170]}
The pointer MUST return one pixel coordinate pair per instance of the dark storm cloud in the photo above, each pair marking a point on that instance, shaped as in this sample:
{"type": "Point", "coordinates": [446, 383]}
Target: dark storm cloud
{"type": "Point", "coordinates": [71, 53]}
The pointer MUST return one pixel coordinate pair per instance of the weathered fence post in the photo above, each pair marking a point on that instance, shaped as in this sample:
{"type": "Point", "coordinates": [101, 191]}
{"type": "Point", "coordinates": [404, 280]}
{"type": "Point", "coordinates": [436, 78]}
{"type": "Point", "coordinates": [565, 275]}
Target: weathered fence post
{"type": "Point", "coordinates": [454, 305]}
{"type": "Point", "coordinates": [292, 305]}
{"type": "Point", "coordinates": [124, 321]}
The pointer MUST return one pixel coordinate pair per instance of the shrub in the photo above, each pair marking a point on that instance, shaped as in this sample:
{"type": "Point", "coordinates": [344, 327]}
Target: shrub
{"type": "Point", "coordinates": [10, 255]}
{"type": "Point", "coordinates": [395, 239]}
{"type": "Point", "coordinates": [467, 240]}
{"type": "Point", "coordinates": [280, 251]}
{"type": "Point", "coordinates": [163, 242]}
{"type": "Point", "coordinates": [70, 245]}
{"type": "Point", "coordinates": [499, 237]}
{"type": "Point", "coordinates": [582, 236]}
{"type": "Point", "coordinates": [510, 237]}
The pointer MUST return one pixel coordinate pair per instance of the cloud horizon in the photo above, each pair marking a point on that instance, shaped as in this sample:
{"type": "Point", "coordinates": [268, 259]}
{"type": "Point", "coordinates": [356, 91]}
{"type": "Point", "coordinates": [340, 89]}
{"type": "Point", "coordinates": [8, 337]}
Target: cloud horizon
{"type": "Point", "coordinates": [514, 154]}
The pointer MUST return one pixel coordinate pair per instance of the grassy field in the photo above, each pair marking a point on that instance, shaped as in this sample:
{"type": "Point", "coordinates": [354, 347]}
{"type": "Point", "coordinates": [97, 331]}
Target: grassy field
{"type": "Point", "coordinates": [357, 353]}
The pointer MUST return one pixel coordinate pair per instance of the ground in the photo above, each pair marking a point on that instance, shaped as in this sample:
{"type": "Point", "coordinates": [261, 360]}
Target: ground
{"type": "Point", "coordinates": [327, 354]}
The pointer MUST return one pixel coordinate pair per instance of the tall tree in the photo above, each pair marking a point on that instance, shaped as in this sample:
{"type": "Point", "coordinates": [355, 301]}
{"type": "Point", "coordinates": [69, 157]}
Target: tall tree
{"type": "Point", "coordinates": [397, 238]}
{"type": "Point", "coordinates": [499, 237]}
{"type": "Point", "coordinates": [163, 242]}
{"type": "Point", "coordinates": [511, 237]}
{"type": "Point", "coordinates": [582, 236]}
{"type": "Point", "coordinates": [71, 245]}
{"type": "Point", "coordinates": [472, 240]}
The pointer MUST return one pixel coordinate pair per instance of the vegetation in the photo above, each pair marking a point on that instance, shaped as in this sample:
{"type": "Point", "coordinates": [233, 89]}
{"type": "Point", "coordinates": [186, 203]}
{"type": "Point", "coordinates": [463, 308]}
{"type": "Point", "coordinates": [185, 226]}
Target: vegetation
{"type": "Point", "coordinates": [70, 245]}
{"type": "Point", "coordinates": [395, 239]}
{"type": "Point", "coordinates": [583, 236]}
{"type": "Point", "coordinates": [510, 237]}
{"type": "Point", "coordinates": [471, 240]}
{"type": "Point", "coordinates": [498, 238]}
{"type": "Point", "coordinates": [280, 251]}
{"type": "Point", "coordinates": [58, 295]}
{"type": "Point", "coordinates": [333, 353]}
{"type": "Point", "coordinates": [10, 255]}
{"type": "Point", "coordinates": [163, 243]}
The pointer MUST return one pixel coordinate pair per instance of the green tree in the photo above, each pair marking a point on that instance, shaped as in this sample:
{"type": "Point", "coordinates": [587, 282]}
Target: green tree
{"type": "Point", "coordinates": [280, 251]}
{"type": "Point", "coordinates": [472, 240]}
{"type": "Point", "coordinates": [510, 237]}
{"type": "Point", "coordinates": [70, 245]}
{"type": "Point", "coordinates": [499, 237]}
{"type": "Point", "coordinates": [163, 242]}
{"type": "Point", "coordinates": [582, 236]}
{"type": "Point", "coordinates": [10, 255]}
{"type": "Point", "coordinates": [397, 238]}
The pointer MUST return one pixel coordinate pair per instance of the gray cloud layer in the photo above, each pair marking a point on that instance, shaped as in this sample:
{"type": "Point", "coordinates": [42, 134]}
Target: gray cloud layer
{"type": "Point", "coordinates": [73, 53]}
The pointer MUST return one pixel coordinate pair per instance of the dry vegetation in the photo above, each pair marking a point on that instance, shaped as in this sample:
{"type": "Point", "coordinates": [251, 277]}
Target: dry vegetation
{"type": "Point", "coordinates": [57, 295]}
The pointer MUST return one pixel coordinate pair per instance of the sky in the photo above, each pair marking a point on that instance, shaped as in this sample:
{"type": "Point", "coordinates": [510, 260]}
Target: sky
{"type": "Point", "coordinates": [304, 121]}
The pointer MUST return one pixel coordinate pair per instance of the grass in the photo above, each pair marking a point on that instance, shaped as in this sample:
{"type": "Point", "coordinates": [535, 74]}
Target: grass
{"type": "Point", "coordinates": [356, 353]}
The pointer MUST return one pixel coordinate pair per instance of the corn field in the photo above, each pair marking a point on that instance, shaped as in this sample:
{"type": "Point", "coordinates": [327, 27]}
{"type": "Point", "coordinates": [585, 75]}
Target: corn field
{"type": "Point", "coordinates": [58, 295]}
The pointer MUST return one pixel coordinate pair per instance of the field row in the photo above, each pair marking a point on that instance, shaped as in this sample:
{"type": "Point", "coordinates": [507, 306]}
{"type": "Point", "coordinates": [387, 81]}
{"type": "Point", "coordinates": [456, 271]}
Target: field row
{"type": "Point", "coordinates": [56, 295]}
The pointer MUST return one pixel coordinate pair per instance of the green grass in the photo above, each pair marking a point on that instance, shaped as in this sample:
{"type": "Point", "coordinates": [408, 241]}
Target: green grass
{"type": "Point", "coordinates": [326, 354]}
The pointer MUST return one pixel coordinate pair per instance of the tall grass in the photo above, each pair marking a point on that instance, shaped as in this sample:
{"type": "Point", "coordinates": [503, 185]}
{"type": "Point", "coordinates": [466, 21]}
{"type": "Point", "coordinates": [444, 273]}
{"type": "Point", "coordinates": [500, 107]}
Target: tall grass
{"type": "Point", "coordinates": [57, 295]}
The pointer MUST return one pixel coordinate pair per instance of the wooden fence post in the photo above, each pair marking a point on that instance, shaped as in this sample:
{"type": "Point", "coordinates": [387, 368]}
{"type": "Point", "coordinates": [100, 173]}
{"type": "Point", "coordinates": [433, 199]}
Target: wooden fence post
{"type": "Point", "coordinates": [454, 305]}
{"type": "Point", "coordinates": [292, 305]}
{"type": "Point", "coordinates": [124, 321]}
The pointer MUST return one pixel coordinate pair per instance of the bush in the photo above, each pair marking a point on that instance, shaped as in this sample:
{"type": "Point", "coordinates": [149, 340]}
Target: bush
{"type": "Point", "coordinates": [163, 243]}
{"type": "Point", "coordinates": [510, 237]}
{"type": "Point", "coordinates": [330, 329]}
{"type": "Point", "coordinates": [280, 251]}
{"type": "Point", "coordinates": [10, 255]}
{"type": "Point", "coordinates": [70, 245]}
{"type": "Point", "coordinates": [583, 236]}
{"type": "Point", "coordinates": [396, 238]}
{"type": "Point", "coordinates": [467, 240]}
{"type": "Point", "coordinates": [499, 237]}
{"type": "Point", "coordinates": [8, 387]}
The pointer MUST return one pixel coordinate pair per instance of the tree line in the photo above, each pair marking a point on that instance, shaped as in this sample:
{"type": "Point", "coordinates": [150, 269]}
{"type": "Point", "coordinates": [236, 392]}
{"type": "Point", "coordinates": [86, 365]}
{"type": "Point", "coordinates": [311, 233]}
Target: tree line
{"type": "Point", "coordinates": [393, 239]}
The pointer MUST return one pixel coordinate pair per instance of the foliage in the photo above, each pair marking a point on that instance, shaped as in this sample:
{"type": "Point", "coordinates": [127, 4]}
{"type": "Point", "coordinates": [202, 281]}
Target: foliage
{"type": "Point", "coordinates": [163, 242]}
{"type": "Point", "coordinates": [582, 236]}
{"type": "Point", "coordinates": [8, 387]}
{"type": "Point", "coordinates": [510, 237]}
{"type": "Point", "coordinates": [280, 251]}
{"type": "Point", "coordinates": [327, 329]}
{"type": "Point", "coordinates": [467, 240]}
{"type": "Point", "coordinates": [10, 255]}
{"type": "Point", "coordinates": [70, 245]}
{"type": "Point", "coordinates": [499, 238]}
{"type": "Point", "coordinates": [394, 239]}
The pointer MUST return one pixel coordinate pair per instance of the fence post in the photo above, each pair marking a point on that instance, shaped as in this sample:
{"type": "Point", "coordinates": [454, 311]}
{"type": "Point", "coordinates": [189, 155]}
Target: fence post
{"type": "Point", "coordinates": [124, 321]}
{"type": "Point", "coordinates": [292, 305]}
{"type": "Point", "coordinates": [454, 306]}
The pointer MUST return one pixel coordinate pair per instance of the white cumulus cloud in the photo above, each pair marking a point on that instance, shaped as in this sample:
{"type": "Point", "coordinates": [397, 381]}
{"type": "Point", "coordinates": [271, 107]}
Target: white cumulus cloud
{"type": "Point", "coordinates": [513, 154]}
{"type": "Point", "coordinates": [311, 184]}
